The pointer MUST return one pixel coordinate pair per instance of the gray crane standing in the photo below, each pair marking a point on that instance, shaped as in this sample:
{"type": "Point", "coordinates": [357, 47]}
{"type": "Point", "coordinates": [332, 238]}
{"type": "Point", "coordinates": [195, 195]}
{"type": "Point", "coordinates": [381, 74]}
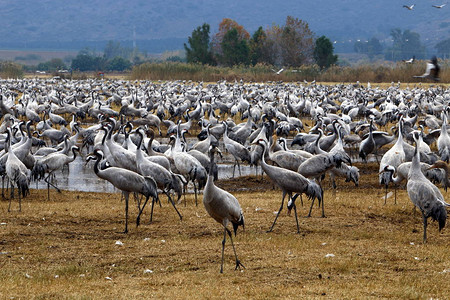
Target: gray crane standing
{"type": "Point", "coordinates": [128, 182]}
{"type": "Point", "coordinates": [289, 182]}
{"type": "Point", "coordinates": [425, 195]}
{"type": "Point", "coordinates": [222, 207]}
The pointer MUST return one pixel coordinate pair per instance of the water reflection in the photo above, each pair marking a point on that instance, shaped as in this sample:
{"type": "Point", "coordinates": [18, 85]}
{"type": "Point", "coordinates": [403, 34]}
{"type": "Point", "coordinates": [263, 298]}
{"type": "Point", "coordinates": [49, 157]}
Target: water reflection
{"type": "Point", "coordinates": [81, 177]}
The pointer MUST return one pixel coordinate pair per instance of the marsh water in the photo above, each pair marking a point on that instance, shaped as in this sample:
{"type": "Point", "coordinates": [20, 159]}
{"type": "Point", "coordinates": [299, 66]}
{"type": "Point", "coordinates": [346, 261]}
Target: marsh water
{"type": "Point", "coordinates": [81, 177]}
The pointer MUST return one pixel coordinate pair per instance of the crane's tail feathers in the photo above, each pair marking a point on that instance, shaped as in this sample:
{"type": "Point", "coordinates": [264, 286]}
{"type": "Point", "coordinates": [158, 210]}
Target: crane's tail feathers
{"type": "Point", "coordinates": [363, 155]}
{"type": "Point", "coordinates": [38, 171]}
{"type": "Point", "coordinates": [341, 157]}
{"type": "Point", "coordinates": [246, 157]}
{"type": "Point", "coordinates": [437, 175]}
{"type": "Point", "coordinates": [22, 184]}
{"type": "Point", "coordinates": [152, 187]}
{"type": "Point", "coordinates": [239, 222]}
{"type": "Point", "coordinates": [314, 191]}
{"type": "Point", "coordinates": [445, 154]}
{"type": "Point", "coordinates": [439, 213]}
{"type": "Point", "coordinates": [385, 178]}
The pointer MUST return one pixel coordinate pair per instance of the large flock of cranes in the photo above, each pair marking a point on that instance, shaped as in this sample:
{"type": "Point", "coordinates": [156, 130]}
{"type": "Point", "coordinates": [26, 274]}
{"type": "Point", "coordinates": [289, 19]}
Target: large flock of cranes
{"type": "Point", "coordinates": [47, 122]}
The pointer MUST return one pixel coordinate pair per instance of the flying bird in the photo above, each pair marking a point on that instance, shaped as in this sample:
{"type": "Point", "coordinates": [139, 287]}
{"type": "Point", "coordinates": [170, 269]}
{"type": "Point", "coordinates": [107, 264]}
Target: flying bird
{"type": "Point", "coordinates": [410, 61]}
{"type": "Point", "coordinates": [439, 6]}
{"type": "Point", "coordinates": [279, 71]}
{"type": "Point", "coordinates": [432, 70]}
{"type": "Point", "coordinates": [409, 7]}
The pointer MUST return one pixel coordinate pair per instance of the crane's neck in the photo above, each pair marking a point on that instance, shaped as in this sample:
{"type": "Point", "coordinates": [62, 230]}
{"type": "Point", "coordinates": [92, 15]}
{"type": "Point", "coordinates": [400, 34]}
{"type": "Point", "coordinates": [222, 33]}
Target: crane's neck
{"type": "Point", "coordinates": [211, 165]}
{"type": "Point", "coordinates": [264, 165]}
{"type": "Point", "coordinates": [97, 161]}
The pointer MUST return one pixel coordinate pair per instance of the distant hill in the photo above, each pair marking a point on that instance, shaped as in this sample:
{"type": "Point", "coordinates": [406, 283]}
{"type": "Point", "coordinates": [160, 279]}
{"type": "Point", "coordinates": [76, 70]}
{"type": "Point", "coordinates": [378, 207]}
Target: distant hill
{"type": "Point", "coordinates": [164, 25]}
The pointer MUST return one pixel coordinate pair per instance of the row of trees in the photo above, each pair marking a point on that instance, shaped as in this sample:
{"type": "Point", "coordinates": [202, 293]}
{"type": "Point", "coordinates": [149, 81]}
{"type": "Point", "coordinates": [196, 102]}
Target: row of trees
{"type": "Point", "coordinates": [405, 45]}
{"type": "Point", "coordinates": [114, 58]}
{"type": "Point", "coordinates": [290, 45]}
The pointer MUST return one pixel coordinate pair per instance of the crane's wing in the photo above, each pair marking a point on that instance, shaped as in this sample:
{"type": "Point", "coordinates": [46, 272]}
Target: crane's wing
{"type": "Point", "coordinates": [430, 67]}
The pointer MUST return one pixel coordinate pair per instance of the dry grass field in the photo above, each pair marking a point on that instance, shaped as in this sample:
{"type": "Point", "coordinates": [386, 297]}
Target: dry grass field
{"type": "Point", "coordinates": [68, 248]}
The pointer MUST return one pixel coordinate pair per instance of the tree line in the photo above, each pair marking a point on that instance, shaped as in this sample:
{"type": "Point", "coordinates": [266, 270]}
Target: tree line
{"type": "Point", "coordinates": [290, 45]}
{"type": "Point", "coordinates": [405, 44]}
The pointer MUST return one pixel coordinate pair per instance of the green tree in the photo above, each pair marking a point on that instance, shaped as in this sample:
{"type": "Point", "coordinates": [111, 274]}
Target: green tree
{"type": "Point", "coordinates": [443, 48]}
{"type": "Point", "coordinates": [297, 42]}
{"type": "Point", "coordinates": [199, 48]}
{"type": "Point", "coordinates": [406, 44]}
{"type": "Point", "coordinates": [114, 49]}
{"type": "Point", "coordinates": [226, 25]}
{"type": "Point", "coordinates": [235, 51]}
{"type": "Point", "coordinates": [52, 65]}
{"type": "Point", "coordinates": [87, 60]}
{"type": "Point", "coordinates": [257, 46]}
{"type": "Point", "coordinates": [374, 47]}
{"type": "Point", "coordinates": [118, 64]}
{"type": "Point", "coordinates": [291, 44]}
{"type": "Point", "coordinates": [360, 47]}
{"type": "Point", "coordinates": [323, 52]}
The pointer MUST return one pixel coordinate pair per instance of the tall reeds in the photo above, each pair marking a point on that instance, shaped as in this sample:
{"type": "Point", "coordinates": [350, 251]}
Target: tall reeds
{"type": "Point", "coordinates": [10, 70]}
{"type": "Point", "coordinates": [376, 73]}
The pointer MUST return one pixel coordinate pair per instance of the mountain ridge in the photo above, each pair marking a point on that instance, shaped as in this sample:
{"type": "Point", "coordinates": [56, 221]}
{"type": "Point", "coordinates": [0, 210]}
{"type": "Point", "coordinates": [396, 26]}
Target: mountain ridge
{"type": "Point", "coordinates": [76, 22]}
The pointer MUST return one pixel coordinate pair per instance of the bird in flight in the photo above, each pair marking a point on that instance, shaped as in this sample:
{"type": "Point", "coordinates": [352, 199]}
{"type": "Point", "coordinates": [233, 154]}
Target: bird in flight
{"type": "Point", "coordinates": [410, 61]}
{"type": "Point", "coordinates": [439, 6]}
{"type": "Point", "coordinates": [409, 7]}
{"type": "Point", "coordinates": [432, 70]}
{"type": "Point", "coordinates": [279, 71]}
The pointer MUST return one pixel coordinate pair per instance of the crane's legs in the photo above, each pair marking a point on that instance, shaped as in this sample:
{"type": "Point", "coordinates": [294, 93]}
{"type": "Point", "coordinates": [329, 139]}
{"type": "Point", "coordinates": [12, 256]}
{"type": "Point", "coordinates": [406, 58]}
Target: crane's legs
{"type": "Point", "coordinates": [395, 194]}
{"type": "Point", "coordinates": [239, 168]}
{"type": "Point", "coordinates": [10, 197]}
{"type": "Point", "coordinates": [223, 247]}
{"type": "Point", "coordinates": [138, 219]}
{"type": "Point", "coordinates": [195, 192]}
{"type": "Point", "coordinates": [20, 199]}
{"type": "Point", "coordinates": [281, 207]}
{"type": "Point", "coordinates": [290, 205]}
{"type": "Point", "coordinates": [323, 208]}
{"type": "Point", "coordinates": [296, 217]}
{"type": "Point", "coordinates": [173, 204]}
{"type": "Point", "coordinates": [425, 224]}
{"type": "Point", "coordinates": [3, 186]}
{"type": "Point", "coordinates": [151, 211]}
{"type": "Point", "coordinates": [126, 194]}
{"type": "Point", "coordinates": [238, 262]}
{"type": "Point", "coordinates": [310, 209]}
{"type": "Point", "coordinates": [49, 183]}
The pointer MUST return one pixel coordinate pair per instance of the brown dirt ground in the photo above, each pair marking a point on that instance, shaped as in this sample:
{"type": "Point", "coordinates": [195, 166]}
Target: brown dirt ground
{"type": "Point", "coordinates": [66, 248]}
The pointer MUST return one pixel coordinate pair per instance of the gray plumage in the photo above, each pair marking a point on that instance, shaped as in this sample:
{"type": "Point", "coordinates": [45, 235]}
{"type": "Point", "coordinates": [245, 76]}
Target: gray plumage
{"type": "Point", "coordinates": [165, 180]}
{"type": "Point", "coordinates": [17, 173]}
{"type": "Point", "coordinates": [426, 196]}
{"type": "Point", "coordinates": [289, 182]}
{"type": "Point", "coordinates": [49, 164]}
{"type": "Point", "coordinates": [393, 157]}
{"type": "Point", "coordinates": [222, 207]}
{"type": "Point", "coordinates": [236, 149]}
{"type": "Point", "coordinates": [367, 145]}
{"type": "Point", "coordinates": [443, 142]}
{"type": "Point", "coordinates": [350, 173]}
{"type": "Point", "coordinates": [128, 182]}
